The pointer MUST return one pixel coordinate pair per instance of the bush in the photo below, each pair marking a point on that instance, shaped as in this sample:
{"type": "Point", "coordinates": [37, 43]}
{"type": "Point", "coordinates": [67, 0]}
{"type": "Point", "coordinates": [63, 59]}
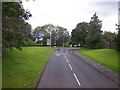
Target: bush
{"type": "Point", "coordinates": [29, 42]}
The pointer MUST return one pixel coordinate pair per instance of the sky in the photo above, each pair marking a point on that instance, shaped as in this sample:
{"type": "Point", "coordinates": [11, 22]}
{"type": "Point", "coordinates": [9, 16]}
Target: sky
{"type": "Point", "coordinates": [68, 13]}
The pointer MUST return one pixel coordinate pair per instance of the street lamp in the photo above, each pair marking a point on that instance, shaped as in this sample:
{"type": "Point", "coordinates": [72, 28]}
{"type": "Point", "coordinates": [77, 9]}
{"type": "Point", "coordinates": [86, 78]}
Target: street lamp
{"type": "Point", "coordinates": [63, 38]}
{"type": "Point", "coordinates": [50, 37]}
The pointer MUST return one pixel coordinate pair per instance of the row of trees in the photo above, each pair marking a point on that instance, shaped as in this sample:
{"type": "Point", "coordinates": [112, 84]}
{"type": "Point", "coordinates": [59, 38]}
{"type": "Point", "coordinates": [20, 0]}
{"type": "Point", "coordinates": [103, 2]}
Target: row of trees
{"type": "Point", "coordinates": [59, 35]}
{"type": "Point", "coordinates": [15, 31]}
{"type": "Point", "coordinates": [90, 34]}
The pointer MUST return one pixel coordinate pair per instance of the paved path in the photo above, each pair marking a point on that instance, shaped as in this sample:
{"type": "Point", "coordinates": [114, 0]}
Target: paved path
{"type": "Point", "coordinates": [66, 70]}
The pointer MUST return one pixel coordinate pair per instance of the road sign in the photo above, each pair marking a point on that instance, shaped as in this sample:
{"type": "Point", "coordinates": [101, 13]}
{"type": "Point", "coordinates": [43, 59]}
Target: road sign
{"type": "Point", "coordinates": [48, 42]}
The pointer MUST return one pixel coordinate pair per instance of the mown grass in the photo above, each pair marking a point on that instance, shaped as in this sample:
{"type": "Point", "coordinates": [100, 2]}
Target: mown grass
{"type": "Point", "coordinates": [22, 69]}
{"type": "Point", "coordinates": [0, 73]}
{"type": "Point", "coordinates": [106, 57]}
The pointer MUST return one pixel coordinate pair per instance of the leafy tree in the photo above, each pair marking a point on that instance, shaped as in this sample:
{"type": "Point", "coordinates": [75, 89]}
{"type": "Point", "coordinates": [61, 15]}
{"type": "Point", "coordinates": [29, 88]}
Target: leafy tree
{"type": "Point", "coordinates": [109, 36]}
{"type": "Point", "coordinates": [14, 28]}
{"type": "Point", "coordinates": [42, 33]}
{"type": "Point", "coordinates": [94, 38]}
{"type": "Point", "coordinates": [79, 34]}
{"type": "Point", "coordinates": [59, 35]}
{"type": "Point", "coordinates": [117, 39]}
{"type": "Point", "coordinates": [62, 36]}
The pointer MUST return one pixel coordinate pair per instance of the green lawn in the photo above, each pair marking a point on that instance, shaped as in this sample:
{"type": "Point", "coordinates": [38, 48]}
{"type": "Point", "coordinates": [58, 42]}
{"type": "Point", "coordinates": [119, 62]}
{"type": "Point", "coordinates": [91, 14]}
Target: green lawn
{"type": "Point", "coordinates": [21, 69]}
{"type": "Point", "coordinates": [0, 73]}
{"type": "Point", "coordinates": [106, 57]}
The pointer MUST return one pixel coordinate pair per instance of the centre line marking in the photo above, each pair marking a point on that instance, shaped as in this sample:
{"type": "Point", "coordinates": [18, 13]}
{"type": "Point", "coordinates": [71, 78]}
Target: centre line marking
{"type": "Point", "coordinates": [70, 66]}
{"type": "Point", "coordinates": [77, 79]}
{"type": "Point", "coordinates": [65, 57]}
{"type": "Point", "coordinates": [67, 61]}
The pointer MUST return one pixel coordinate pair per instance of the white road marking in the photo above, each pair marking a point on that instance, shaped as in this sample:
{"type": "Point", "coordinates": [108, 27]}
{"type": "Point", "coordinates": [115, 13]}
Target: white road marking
{"type": "Point", "coordinates": [67, 61]}
{"type": "Point", "coordinates": [72, 69]}
{"type": "Point", "coordinates": [65, 57]}
{"type": "Point", "coordinates": [57, 54]}
{"type": "Point", "coordinates": [64, 54]}
{"type": "Point", "coordinates": [70, 66]}
{"type": "Point", "coordinates": [77, 79]}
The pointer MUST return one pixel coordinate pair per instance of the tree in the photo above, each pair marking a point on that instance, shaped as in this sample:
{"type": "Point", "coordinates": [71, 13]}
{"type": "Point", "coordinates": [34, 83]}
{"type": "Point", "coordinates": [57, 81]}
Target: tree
{"type": "Point", "coordinates": [79, 34]}
{"type": "Point", "coordinates": [94, 38]}
{"type": "Point", "coordinates": [109, 36]}
{"type": "Point", "coordinates": [59, 35]}
{"type": "Point", "coordinates": [62, 36]}
{"type": "Point", "coordinates": [13, 25]}
{"type": "Point", "coordinates": [117, 39]}
{"type": "Point", "coordinates": [42, 33]}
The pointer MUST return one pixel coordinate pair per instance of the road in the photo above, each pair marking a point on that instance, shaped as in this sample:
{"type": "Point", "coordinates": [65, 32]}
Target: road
{"type": "Point", "coordinates": [66, 70]}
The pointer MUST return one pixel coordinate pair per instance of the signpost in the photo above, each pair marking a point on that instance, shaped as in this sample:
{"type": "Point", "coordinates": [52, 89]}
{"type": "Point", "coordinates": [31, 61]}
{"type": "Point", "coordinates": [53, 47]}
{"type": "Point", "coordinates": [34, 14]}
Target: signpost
{"type": "Point", "coordinates": [48, 42]}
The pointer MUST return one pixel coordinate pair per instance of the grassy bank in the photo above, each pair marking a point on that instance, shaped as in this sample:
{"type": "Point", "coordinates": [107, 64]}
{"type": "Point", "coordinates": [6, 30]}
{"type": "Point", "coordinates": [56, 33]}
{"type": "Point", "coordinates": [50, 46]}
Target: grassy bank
{"type": "Point", "coordinates": [21, 69]}
{"type": "Point", "coordinates": [106, 57]}
{"type": "Point", "coordinates": [0, 73]}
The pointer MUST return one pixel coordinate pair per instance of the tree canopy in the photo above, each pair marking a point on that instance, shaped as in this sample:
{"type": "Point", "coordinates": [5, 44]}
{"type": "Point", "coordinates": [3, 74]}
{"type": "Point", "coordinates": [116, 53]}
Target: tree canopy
{"type": "Point", "coordinates": [94, 38]}
{"type": "Point", "coordinates": [15, 31]}
{"type": "Point", "coordinates": [109, 36]}
{"type": "Point", "coordinates": [117, 39]}
{"type": "Point", "coordinates": [79, 34]}
{"type": "Point", "coordinates": [88, 34]}
{"type": "Point", "coordinates": [59, 35]}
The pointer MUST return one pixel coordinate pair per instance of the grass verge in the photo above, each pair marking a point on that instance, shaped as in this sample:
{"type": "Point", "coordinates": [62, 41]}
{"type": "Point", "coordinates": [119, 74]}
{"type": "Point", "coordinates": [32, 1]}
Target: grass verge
{"type": "Point", "coordinates": [22, 69]}
{"type": "Point", "coordinates": [106, 57]}
{"type": "Point", "coordinates": [0, 73]}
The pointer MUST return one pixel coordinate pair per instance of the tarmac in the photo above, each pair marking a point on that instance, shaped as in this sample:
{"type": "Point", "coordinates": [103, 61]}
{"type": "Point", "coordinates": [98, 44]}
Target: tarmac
{"type": "Point", "coordinates": [107, 72]}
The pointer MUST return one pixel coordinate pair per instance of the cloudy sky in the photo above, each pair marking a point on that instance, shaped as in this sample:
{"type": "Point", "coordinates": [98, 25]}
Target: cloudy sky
{"type": "Point", "coordinates": [67, 13]}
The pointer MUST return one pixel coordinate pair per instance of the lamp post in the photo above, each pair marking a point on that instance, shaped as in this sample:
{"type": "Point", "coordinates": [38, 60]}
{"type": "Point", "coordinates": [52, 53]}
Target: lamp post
{"type": "Point", "coordinates": [63, 38]}
{"type": "Point", "coordinates": [50, 38]}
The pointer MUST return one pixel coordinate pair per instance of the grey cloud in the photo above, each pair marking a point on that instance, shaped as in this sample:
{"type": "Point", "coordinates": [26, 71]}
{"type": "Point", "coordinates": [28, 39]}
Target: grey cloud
{"type": "Point", "coordinates": [105, 9]}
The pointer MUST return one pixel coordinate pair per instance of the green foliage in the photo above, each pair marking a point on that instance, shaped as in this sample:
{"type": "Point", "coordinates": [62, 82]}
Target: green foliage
{"type": "Point", "coordinates": [88, 34]}
{"type": "Point", "coordinates": [29, 42]}
{"type": "Point", "coordinates": [110, 59]}
{"type": "Point", "coordinates": [14, 28]}
{"type": "Point", "coordinates": [117, 39]}
{"type": "Point", "coordinates": [59, 35]}
{"type": "Point", "coordinates": [94, 38]}
{"type": "Point", "coordinates": [109, 36]}
{"type": "Point", "coordinates": [79, 34]}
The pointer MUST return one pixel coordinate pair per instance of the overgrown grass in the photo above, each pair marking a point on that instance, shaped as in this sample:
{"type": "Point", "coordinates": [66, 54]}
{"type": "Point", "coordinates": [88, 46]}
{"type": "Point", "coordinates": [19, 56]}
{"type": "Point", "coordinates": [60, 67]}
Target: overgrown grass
{"type": "Point", "coordinates": [22, 69]}
{"type": "Point", "coordinates": [106, 57]}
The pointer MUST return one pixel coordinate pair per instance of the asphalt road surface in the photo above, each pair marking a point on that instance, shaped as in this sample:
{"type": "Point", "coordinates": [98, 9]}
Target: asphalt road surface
{"type": "Point", "coordinates": [66, 70]}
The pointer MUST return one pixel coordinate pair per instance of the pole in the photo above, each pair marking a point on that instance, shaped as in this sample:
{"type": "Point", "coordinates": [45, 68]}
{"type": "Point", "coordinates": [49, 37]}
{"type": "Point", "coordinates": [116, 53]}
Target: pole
{"type": "Point", "coordinates": [50, 38]}
{"type": "Point", "coordinates": [63, 39]}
